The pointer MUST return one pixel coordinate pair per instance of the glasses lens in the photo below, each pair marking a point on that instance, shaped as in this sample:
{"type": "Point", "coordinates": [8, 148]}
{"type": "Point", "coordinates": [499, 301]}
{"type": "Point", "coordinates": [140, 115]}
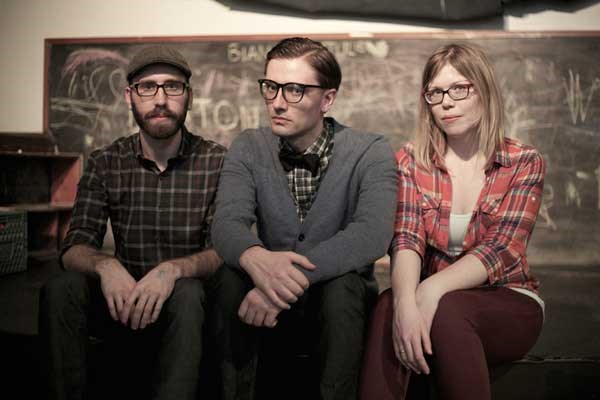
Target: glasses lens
{"type": "Point", "coordinates": [293, 92]}
{"type": "Point", "coordinates": [269, 89]}
{"type": "Point", "coordinates": [459, 92]}
{"type": "Point", "coordinates": [174, 88]}
{"type": "Point", "coordinates": [434, 96]}
{"type": "Point", "coordinates": [146, 88]}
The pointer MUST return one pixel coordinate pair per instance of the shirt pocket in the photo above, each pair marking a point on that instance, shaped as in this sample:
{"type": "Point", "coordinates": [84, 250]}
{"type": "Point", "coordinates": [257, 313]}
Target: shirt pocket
{"type": "Point", "coordinates": [430, 214]}
{"type": "Point", "coordinates": [489, 211]}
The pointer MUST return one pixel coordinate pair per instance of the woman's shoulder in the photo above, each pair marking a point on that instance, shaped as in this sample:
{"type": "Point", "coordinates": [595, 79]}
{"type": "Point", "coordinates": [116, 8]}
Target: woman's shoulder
{"type": "Point", "coordinates": [406, 154]}
{"type": "Point", "coordinates": [519, 152]}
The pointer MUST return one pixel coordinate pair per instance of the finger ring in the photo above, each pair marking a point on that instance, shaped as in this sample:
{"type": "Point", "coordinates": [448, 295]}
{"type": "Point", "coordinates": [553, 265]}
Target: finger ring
{"type": "Point", "coordinates": [402, 351]}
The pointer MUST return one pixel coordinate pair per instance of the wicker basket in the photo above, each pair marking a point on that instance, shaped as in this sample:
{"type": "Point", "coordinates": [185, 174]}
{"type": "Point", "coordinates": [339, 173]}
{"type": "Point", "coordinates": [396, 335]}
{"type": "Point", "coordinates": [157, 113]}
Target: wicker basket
{"type": "Point", "coordinates": [13, 241]}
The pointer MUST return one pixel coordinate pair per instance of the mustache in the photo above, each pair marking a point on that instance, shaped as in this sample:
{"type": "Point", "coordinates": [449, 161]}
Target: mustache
{"type": "Point", "coordinates": [160, 112]}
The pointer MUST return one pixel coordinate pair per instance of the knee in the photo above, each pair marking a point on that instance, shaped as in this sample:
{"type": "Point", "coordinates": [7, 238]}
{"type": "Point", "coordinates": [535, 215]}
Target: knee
{"type": "Point", "coordinates": [451, 318]}
{"type": "Point", "coordinates": [344, 298]}
{"type": "Point", "coordinates": [187, 300]}
{"type": "Point", "coordinates": [64, 289]}
{"type": "Point", "coordinates": [228, 287]}
{"type": "Point", "coordinates": [228, 279]}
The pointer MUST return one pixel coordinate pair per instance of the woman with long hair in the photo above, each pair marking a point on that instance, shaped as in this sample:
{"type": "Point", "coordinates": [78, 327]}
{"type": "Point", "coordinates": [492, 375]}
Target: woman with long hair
{"type": "Point", "coordinates": [462, 296]}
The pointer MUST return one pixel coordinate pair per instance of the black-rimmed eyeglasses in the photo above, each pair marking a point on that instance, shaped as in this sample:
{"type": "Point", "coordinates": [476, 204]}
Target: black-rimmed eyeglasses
{"type": "Point", "coordinates": [149, 88]}
{"type": "Point", "coordinates": [456, 92]}
{"type": "Point", "coordinates": [292, 91]}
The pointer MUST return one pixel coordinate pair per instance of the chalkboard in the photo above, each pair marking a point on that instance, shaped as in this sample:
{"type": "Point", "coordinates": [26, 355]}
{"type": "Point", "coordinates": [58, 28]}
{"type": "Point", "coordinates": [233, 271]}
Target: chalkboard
{"type": "Point", "coordinates": [550, 81]}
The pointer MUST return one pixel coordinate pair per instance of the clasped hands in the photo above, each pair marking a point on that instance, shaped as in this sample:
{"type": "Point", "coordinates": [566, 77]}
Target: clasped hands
{"type": "Point", "coordinates": [135, 304]}
{"type": "Point", "coordinates": [278, 284]}
{"type": "Point", "coordinates": [413, 317]}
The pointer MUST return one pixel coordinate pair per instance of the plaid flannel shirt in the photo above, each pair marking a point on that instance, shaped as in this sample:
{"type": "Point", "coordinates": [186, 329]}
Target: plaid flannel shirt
{"type": "Point", "coordinates": [302, 184]}
{"type": "Point", "coordinates": [155, 216]}
{"type": "Point", "coordinates": [501, 224]}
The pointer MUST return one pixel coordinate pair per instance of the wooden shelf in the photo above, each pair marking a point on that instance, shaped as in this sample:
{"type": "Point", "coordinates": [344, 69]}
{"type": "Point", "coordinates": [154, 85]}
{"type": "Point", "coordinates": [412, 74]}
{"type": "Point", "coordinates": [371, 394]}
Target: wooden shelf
{"type": "Point", "coordinates": [45, 185]}
{"type": "Point", "coordinates": [41, 207]}
{"type": "Point", "coordinates": [33, 154]}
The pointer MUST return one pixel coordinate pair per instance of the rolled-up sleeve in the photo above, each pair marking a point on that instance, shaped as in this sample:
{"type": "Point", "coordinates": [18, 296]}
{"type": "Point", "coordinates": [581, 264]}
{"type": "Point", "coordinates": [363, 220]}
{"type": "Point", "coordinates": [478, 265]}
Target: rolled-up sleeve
{"type": "Point", "coordinates": [504, 244]}
{"type": "Point", "coordinates": [90, 213]}
{"type": "Point", "coordinates": [409, 231]}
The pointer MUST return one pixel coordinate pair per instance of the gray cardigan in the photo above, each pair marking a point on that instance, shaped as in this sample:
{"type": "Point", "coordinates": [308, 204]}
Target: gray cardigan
{"type": "Point", "coordinates": [350, 223]}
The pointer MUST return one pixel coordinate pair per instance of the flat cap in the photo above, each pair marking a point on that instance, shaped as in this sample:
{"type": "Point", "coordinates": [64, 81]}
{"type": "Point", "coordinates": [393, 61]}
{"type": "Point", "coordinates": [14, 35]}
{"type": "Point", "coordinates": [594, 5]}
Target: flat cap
{"type": "Point", "coordinates": [157, 54]}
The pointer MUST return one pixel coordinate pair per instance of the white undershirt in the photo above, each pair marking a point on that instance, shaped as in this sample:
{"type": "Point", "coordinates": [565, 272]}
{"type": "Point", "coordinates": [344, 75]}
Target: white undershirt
{"type": "Point", "coordinates": [457, 229]}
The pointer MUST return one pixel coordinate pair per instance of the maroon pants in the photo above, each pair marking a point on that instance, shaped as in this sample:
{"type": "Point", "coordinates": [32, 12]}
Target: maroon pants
{"type": "Point", "coordinates": [472, 329]}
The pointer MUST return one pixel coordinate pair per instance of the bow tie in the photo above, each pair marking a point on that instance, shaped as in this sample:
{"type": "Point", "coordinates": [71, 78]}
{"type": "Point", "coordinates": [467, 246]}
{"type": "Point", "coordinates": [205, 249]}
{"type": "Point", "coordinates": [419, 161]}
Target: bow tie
{"type": "Point", "coordinates": [290, 160]}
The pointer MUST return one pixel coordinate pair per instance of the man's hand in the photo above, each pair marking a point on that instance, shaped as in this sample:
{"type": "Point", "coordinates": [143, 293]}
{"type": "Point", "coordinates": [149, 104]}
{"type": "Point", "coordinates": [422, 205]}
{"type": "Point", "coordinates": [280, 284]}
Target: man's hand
{"type": "Point", "coordinates": [116, 284]}
{"type": "Point", "coordinates": [145, 301]}
{"type": "Point", "coordinates": [274, 273]}
{"type": "Point", "coordinates": [256, 309]}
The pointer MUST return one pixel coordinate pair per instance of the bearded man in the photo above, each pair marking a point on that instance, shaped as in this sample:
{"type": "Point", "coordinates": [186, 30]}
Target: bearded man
{"type": "Point", "coordinates": [157, 187]}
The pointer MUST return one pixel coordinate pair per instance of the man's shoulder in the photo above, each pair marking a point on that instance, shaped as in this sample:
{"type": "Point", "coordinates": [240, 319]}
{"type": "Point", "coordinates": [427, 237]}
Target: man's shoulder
{"type": "Point", "coordinates": [356, 136]}
{"type": "Point", "coordinates": [201, 146]}
{"type": "Point", "coordinates": [256, 139]}
{"type": "Point", "coordinates": [353, 143]}
{"type": "Point", "coordinates": [121, 147]}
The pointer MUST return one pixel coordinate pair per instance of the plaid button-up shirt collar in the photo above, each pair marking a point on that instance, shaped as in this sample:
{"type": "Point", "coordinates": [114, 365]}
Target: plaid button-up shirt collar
{"type": "Point", "coordinates": [183, 151]}
{"type": "Point", "coordinates": [502, 220]}
{"type": "Point", "coordinates": [502, 158]}
{"type": "Point", "coordinates": [303, 185]}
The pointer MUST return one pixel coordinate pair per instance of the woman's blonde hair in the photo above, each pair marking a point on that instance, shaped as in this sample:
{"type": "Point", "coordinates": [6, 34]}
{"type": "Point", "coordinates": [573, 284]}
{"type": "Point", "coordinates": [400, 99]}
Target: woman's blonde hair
{"type": "Point", "coordinates": [472, 63]}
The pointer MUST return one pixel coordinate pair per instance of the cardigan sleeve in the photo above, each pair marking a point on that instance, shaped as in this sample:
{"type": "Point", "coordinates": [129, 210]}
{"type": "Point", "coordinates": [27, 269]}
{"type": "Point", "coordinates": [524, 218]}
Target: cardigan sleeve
{"type": "Point", "coordinates": [235, 205]}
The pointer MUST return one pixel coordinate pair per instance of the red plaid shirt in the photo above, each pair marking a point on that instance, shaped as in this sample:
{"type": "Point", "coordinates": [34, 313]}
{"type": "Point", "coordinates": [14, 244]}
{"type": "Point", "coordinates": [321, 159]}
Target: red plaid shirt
{"type": "Point", "coordinates": [501, 224]}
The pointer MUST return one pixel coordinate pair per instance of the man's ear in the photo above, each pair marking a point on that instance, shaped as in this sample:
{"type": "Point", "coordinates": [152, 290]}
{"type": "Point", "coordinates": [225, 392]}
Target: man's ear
{"type": "Point", "coordinates": [328, 100]}
{"type": "Point", "coordinates": [190, 98]}
{"type": "Point", "coordinates": [128, 96]}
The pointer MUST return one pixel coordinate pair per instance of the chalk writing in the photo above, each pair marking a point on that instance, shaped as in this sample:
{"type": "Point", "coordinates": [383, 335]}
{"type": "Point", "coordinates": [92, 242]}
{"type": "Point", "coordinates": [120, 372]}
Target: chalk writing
{"type": "Point", "coordinates": [241, 53]}
{"type": "Point", "coordinates": [578, 103]}
{"type": "Point", "coordinates": [256, 53]}
{"type": "Point", "coordinates": [550, 86]}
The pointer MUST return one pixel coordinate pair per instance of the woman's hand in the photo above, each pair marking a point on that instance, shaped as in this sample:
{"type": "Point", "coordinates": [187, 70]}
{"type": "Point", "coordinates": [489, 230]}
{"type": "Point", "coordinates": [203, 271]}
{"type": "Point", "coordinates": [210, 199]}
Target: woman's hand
{"type": "Point", "coordinates": [411, 336]}
{"type": "Point", "coordinates": [427, 299]}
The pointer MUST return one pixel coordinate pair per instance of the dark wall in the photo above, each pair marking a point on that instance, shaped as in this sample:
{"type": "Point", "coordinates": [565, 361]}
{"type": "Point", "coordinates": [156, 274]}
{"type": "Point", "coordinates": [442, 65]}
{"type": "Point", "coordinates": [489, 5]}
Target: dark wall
{"type": "Point", "coordinates": [445, 10]}
{"type": "Point", "coordinates": [551, 85]}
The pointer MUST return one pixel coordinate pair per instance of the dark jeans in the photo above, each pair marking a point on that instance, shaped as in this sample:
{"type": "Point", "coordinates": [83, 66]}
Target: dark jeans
{"type": "Point", "coordinates": [72, 308]}
{"type": "Point", "coordinates": [327, 325]}
{"type": "Point", "coordinates": [472, 330]}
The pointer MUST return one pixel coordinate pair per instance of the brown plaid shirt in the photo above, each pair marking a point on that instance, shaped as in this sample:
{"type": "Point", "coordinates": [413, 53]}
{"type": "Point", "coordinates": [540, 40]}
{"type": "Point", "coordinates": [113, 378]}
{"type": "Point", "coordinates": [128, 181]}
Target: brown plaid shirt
{"type": "Point", "coordinates": [302, 184]}
{"type": "Point", "coordinates": [155, 216]}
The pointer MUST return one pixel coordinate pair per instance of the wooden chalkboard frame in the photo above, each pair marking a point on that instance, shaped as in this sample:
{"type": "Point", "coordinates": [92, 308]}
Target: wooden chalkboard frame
{"type": "Point", "coordinates": [568, 226]}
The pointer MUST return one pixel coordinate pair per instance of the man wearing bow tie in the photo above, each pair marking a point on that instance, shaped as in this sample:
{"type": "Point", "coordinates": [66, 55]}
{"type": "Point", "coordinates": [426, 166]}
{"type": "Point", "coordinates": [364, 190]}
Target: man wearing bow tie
{"type": "Point", "coordinates": [322, 197]}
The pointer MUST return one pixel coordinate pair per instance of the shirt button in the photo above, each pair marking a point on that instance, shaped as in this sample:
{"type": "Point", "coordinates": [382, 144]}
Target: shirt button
{"type": "Point", "coordinates": [424, 204]}
{"type": "Point", "coordinates": [533, 198]}
{"type": "Point", "coordinates": [301, 237]}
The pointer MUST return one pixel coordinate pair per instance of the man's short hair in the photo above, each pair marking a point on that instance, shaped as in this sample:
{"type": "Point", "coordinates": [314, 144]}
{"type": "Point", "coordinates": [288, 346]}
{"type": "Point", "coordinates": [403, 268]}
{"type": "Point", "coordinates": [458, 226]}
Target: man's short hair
{"type": "Point", "coordinates": [318, 56]}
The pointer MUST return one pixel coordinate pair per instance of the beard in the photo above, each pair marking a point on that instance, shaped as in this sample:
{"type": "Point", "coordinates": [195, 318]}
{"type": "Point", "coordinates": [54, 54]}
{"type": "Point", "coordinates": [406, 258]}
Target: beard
{"type": "Point", "coordinates": [163, 130]}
